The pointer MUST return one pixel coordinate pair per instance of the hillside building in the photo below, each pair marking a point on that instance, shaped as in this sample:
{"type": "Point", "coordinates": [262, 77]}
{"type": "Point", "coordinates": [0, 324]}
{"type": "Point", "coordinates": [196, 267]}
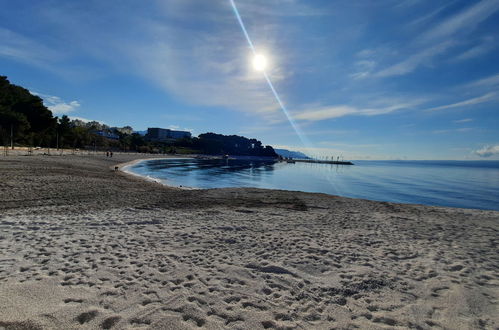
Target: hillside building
{"type": "Point", "coordinates": [165, 134]}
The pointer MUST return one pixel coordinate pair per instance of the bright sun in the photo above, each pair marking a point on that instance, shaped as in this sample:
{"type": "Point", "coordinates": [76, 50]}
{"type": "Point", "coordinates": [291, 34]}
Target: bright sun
{"type": "Point", "coordinates": [259, 62]}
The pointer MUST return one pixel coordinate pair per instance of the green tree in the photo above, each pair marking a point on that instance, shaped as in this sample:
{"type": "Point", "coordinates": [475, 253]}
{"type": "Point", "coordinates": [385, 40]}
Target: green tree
{"type": "Point", "coordinates": [65, 131]}
{"type": "Point", "coordinates": [30, 119]}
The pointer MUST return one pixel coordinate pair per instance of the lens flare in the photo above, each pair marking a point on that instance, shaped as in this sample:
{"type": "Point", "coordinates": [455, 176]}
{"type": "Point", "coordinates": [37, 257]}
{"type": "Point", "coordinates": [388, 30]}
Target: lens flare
{"type": "Point", "coordinates": [297, 130]}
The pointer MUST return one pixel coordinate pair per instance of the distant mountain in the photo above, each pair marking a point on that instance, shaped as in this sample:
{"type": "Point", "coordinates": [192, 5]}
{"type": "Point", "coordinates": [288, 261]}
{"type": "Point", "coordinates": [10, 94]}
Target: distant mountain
{"type": "Point", "coordinates": [142, 133]}
{"type": "Point", "coordinates": [292, 154]}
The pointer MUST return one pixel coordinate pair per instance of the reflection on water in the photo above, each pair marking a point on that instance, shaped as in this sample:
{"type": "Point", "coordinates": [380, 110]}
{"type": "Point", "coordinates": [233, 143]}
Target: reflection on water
{"type": "Point", "coordinates": [445, 183]}
{"type": "Point", "coordinates": [207, 173]}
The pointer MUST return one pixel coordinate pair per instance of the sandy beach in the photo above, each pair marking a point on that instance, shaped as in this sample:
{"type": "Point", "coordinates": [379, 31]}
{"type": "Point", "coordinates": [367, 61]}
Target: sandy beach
{"type": "Point", "coordinates": [83, 246]}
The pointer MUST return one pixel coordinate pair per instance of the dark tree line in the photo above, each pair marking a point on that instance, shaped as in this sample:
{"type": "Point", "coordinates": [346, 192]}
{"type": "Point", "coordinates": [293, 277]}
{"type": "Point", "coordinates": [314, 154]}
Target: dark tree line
{"type": "Point", "coordinates": [24, 114]}
{"type": "Point", "coordinates": [218, 144]}
{"type": "Point", "coordinates": [207, 144]}
{"type": "Point", "coordinates": [26, 121]}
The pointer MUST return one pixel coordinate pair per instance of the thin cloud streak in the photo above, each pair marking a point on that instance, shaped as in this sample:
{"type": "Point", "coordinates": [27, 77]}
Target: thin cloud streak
{"type": "Point", "coordinates": [24, 49]}
{"type": "Point", "coordinates": [440, 39]}
{"type": "Point", "coordinates": [485, 47]}
{"type": "Point", "coordinates": [457, 130]}
{"type": "Point", "coordinates": [427, 18]}
{"type": "Point", "coordinates": [332, 112]}
{"type": "Point", "coordinates": [465, 120]}
{"type": "Point", "coordinates": [490, 81]}
{"type": "Point", "coordinates": [464, 21]}
{"type": "Point", "coordinates": [414, 61]}
{"type": "Point", "coordinates": [473, 101]}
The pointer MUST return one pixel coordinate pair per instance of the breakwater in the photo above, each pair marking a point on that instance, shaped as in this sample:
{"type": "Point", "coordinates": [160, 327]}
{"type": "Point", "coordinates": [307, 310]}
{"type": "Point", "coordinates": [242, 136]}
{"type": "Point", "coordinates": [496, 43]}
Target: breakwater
{"type": "Point", "coordinates": [316, 161]}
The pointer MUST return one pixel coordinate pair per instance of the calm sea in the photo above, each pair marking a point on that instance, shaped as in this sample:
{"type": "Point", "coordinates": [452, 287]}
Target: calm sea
{"type": "Point", "coordinates": [467, 184]}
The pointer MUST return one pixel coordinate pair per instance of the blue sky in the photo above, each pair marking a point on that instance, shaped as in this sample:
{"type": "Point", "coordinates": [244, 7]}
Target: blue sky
{"type": "Point", "coordinates": [387, 79]}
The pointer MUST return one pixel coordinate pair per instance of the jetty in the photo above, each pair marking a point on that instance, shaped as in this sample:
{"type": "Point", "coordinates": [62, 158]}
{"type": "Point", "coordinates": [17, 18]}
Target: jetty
{"type": "Point", "coordinates": [317, 161]}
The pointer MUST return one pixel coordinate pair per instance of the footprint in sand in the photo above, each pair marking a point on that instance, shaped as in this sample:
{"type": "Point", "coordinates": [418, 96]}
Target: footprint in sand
{"type": "Point", "coordinates": [86, 317]}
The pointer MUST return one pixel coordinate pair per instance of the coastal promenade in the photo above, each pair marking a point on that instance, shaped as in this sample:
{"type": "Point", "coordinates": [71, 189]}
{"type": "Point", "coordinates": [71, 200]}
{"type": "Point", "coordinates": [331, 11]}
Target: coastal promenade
{"type": "Point", "coordinates": [84, 246]}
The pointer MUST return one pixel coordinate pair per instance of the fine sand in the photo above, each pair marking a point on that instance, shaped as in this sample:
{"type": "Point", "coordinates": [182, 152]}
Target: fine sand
{"type": "Point", "coordinates": [83, 246]}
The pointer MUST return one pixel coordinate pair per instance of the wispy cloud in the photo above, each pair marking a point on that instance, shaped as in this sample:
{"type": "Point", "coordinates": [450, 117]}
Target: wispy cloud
{"type": "Point", "coordinates": [425, 19]}
{"type": "Point", "coordinates": [487, 45]}
{"type": "Point", "coordinates": [488, 151]}
{"type": "Point", "coordinates": [441, 38]}
{"type": "Point", "coordinates": [57, 105]}
{"type": "Point", "coordinates": [473, 101]}
{"type": "Point", "coordinates": [461, 121]}
{"type": "Point", "coordinates": [289, 8]}
{"type": "Point", "coordinates": [414, 61]}
{"type": "Point", "coordinates": [457, 130]}
{"type": "Point", "coordinates": [24, 49]}
{"type": "Point", "coordinates": [178, 128]}
{"type": "Point", "coordinates": [53, 56]}
{"type": "Point", "coordinates": [64, 108]}
{"type": "Point", "coordinates": [465, 21]}
{"type": "Point", "coordinates": [327, 132]}
{"type": "Point", "coordinates": [326, 113]}
{"type": "Point", "coordinates": [351, 145]}
{"type": "Point", "coordinates": [330, 112]}
{"type": "Point", "coordinates": [364, 69]}
{"type": "Point", "coordinates": [490, 81]}
{"type": "Point", "coordinates": [181, 117]}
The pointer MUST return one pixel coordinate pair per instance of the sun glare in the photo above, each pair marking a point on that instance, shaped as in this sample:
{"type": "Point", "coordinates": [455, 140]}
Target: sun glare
{"type": "Point", "coordinates": [259, 62]}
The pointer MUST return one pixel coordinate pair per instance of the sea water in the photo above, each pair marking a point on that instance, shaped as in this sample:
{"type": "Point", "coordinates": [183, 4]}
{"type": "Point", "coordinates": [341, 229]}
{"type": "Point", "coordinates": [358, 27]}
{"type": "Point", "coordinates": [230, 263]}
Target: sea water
{"type": "Point", "coordinates": [466, 184]}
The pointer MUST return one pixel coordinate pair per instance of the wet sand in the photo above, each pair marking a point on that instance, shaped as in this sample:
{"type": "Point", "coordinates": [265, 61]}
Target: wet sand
{"type": "Point", "coordinates": [83, 246]}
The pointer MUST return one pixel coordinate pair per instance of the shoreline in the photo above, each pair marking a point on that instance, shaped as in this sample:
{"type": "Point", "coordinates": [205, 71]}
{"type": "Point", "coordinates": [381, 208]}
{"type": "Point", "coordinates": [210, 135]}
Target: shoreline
{"type": "Point", "coordinates": [123, 168]}
{"type": "Point", "coordinates": [84, 246]}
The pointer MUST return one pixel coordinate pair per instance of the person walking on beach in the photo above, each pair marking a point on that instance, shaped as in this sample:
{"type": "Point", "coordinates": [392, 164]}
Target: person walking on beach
{"type": "Point", "coordinates": [107, 153]}
{"type": "Point", "coordinates": [111, 154]}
